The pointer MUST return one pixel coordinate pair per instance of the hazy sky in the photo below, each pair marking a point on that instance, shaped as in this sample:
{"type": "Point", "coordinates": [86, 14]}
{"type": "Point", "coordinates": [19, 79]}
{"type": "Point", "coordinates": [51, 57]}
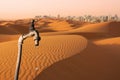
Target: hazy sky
{"type": "Point", "coordinates": [12, 9]}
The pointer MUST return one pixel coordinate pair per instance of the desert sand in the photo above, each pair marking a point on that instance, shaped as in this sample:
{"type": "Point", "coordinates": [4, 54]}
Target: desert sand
{"type": "Point", "coordinates": [35, 59]}
{"type": "Point", "coordinates": [66, 52]}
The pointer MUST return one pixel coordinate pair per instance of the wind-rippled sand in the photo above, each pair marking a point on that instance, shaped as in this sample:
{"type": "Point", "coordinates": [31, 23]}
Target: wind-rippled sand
{"type": "Point", "coordinates": [35, 59]}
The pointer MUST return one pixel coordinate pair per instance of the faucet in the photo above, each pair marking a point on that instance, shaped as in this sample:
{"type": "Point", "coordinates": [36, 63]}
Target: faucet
{"type": "Point", "coordinates": [32, 33]}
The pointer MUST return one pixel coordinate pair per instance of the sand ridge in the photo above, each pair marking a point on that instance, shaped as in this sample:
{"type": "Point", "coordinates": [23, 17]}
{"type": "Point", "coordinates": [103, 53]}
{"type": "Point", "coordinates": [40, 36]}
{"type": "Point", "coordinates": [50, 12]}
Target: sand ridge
{"type": "Point", "coordinates": [35, 59]}
{"type": "Point", "coordinates": [105, 27]}
{"type": "Point", "coordinates": [115, 40]}
{"type": "Point", "coordinates": [94, 63]}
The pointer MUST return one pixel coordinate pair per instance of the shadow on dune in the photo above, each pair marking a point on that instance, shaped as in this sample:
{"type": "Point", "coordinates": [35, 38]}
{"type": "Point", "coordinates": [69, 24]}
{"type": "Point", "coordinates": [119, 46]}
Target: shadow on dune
{"type": "Point", "coordinates": [17, 29]}
{"type": "Point", "coordinates": [45, 29]}
{"type": "Point", "coordinates": [94, 63]}
{"type": "Point", "coordinates": [22, 28]}
{"type": "Point", "coordinates": [96, 36]}
{"type": "Point", "coordinates": [91, 35]}
{"type": "Point", "coordinates": [13, 29]}
{"type": "Point", "coordinates": [88, 35]}
{"type": "Point", "coordinates": [112, 27]}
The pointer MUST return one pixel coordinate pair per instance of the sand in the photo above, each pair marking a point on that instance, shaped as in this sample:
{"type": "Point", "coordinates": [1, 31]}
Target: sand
{"type": "Point", "coordinates": [35, 59]}
{"type": "Point", "coordinates": [66, 52]}
{"type": "Point", "coordinates": [94, 63]}
{"type": "Point", "coordinates": [105, 27]}
{"type": "Point", "coordinates": [5, 38]}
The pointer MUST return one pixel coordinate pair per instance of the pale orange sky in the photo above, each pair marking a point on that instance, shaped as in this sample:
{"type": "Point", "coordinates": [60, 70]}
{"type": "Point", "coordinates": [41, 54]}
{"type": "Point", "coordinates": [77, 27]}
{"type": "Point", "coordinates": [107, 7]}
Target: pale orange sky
{"type": "Point", "coordinates": [14, 9]}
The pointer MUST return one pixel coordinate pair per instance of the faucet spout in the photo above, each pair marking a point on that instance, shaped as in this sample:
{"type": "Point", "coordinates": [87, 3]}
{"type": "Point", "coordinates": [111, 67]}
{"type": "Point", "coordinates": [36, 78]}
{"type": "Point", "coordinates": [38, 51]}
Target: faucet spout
{"type": "Point", "coordinates": [37, 38]}
{"type": "Point", "coordinates": [34, 33]}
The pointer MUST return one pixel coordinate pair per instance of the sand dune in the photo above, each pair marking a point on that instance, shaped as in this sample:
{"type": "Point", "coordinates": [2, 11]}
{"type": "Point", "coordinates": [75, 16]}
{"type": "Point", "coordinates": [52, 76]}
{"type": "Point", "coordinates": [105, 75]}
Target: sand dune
{"type": "Point", "coordinates": [90, 31]}
{"type": "Point", "coordinates": [63, 53]}
{"type": "Point", "coordinates": [98, 30]}
{"type": "Point", "coordinates": [94, 31]}
{"type": "Point", "coordinates": [8, 30]}
{"type": "Point", "coordinates": [53, 25]}
{"type": "Point", "coordinates": [113, 44]}
{"type": "Point", "coordinates": [35, 59]}
{"type": "Point", "coordinates": [22, 26]}
{"type": "Point", "coordinates": [60, 26]}
{"type": "Point", "coordinates": [5, 38]}
{"type": "Point", "coordinates": [4, 23]}
{"type": "Point", "coordinates": [105, 27]}
{"type": "Point", "coordinates": [109, 41]}
{"type": "Point", "coordinates": [94, 63]}
{"type": "Point", "coordinates": [42, 25]}
{"type": "Point", "coordinates": [98, 27]}
{"type": "Point", "coordinates": [15, 28]}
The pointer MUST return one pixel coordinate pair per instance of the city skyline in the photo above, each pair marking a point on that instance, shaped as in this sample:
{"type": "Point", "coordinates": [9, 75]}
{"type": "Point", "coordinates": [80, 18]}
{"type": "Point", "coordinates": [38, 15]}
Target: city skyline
{"type": "Point", "coordinates": [16, 9]}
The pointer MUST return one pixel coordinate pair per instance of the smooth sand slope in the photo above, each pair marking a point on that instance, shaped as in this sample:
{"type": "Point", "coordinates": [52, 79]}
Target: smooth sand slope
{"type": "Point", "coordinates": [109, 41]}
{"type": "Point", "coordinates": [35, 59]}
{"type": "Point", "coordinates": [94, 63]}
{"type": "Point", "coordinates": [105, 27]}
{"type": "Point", "coordinates": [113, 44]}
{"type": "Point", "coordinates": [42, 25]}
{"type": "Point", "coordinates": [53, 25]}
{"type": "Point", "coordinates": [14, 27]}
{"type": "Point", "coordinates": [10, 30]}
{"type": "Point", "coordinates": [5, 38]}
{"type": "Point", "coordinates": [60, 26]}
{"type": "Point", "coordinates": [22, 26]}
{"type": "Point", "coordinates": [94, 31]}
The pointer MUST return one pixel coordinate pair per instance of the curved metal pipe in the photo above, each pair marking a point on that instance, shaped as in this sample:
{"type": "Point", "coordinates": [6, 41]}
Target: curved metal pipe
{"type": "Point", "coordinates": [20, 42]}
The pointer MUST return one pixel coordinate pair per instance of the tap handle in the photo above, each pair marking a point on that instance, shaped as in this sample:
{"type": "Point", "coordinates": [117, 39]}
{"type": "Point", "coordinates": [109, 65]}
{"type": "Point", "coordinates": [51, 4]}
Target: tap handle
{"type": "Point", "coordinates": [32, 26]}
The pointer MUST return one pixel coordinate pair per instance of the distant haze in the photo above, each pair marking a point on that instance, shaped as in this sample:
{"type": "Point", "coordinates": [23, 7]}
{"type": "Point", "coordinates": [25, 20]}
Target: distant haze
{"type": "Point", "coordinates": [14, 9]}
